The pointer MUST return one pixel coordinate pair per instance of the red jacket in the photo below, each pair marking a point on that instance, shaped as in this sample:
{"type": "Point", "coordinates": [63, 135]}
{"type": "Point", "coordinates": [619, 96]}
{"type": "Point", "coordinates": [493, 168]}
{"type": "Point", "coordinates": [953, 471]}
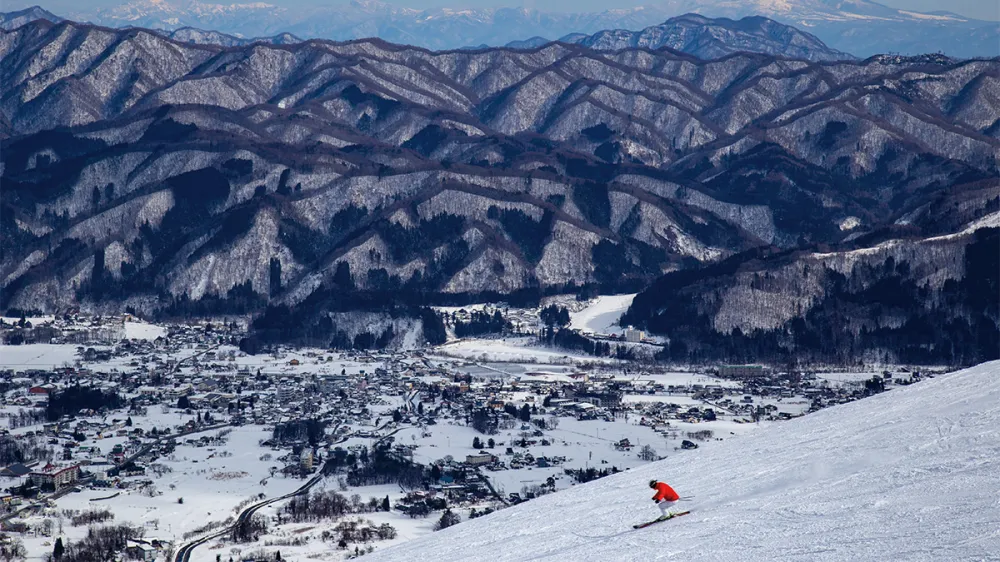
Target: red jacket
{"type": "Point", "coordinates": [665, 492]}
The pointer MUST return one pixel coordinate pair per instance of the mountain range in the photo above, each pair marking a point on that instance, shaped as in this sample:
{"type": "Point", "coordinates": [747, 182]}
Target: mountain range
{"type": "Point", "coordinates": [174, 178]}
{"type": "Point", "coordinates": [702, 37]}
{"type": "Point", "coordinates": [860, 27]}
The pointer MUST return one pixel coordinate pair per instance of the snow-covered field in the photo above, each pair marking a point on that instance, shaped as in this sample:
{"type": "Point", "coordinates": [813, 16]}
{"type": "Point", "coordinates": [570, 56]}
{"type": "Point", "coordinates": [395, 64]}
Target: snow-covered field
{"type": "Point", "coordinates": [143, 331]}
{"type": "Point", "coordinates": [846, 378]}
{"type": "Point", "coordinates": [210, 484]}
{"type": "Point", "coordinates": [601, 316]}
{"type": "Point", "coordinates": [910, 474]}
{"type": "Point", "coordinates": [514, 350]}
{"type": "Point", "coordinates": [37, 356]}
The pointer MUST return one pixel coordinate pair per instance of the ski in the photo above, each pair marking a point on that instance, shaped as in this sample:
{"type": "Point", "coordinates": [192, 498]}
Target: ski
{"type": "Point", "coordinates": [658, 519]}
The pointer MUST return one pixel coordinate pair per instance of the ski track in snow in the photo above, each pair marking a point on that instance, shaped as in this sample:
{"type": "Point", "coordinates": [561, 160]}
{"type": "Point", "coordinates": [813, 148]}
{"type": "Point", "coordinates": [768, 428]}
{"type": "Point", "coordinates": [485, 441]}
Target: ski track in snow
{"type": "Point", "coordinates": [909, 475]}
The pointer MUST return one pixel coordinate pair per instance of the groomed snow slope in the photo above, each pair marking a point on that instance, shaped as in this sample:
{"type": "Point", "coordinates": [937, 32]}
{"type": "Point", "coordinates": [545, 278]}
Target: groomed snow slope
{"type": "Point", "coordinates": [602, 316]}
{"type": "Point", "coordinates": [912, 474]}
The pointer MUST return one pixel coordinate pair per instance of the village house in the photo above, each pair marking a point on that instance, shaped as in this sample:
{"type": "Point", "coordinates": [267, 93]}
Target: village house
{"type": "Point", "coordinates": [140, 551]}
{"type": "Point", "coordinates": [55, 476]}
{"type": "Point", "coordinates": [480, 459]}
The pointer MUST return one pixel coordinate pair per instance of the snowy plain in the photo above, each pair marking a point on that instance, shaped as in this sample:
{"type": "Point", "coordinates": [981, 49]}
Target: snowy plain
{"type": "Point", "coordinates": [37, 356]}
{"type": "Point", "coordinates": [911, 474]}
{"type": "Point", "coordinates": [514, 350]}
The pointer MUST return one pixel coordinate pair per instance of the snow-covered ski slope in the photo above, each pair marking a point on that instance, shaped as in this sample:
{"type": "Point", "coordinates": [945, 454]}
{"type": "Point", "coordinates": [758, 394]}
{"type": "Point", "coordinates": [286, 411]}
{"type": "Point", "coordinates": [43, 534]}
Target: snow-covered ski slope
{"type": "Point", "coordinates": [909, 475]}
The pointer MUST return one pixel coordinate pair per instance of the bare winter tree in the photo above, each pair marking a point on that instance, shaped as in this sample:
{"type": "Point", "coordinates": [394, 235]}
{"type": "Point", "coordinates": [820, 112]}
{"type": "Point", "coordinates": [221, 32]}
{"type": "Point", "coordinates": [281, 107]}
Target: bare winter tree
{"type": "Point", "coordinates": [648, 453]}
{"type": "Point", "coordinates": [13, 551]}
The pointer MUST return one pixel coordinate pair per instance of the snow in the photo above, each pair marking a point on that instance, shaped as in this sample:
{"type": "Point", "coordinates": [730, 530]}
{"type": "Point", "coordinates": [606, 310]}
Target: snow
{"type": "Point", "coordinates": [936, 17]}
{"type": "Point", "coordinates": [601, 317]}
{"type": "Point", "coordinates": [514, 350]}
{"type": "Point", "coordinates": [850, 223]}
{"type": "Point", "coordinates": [846, 378]}
{"type": "Point", "coordinates": [35, 320]}
{"type": "Point", "coordinates": [988, 221]}
{"type": "Point", "coordinates": [212, 485]}
{"type": "Point", "coordinates": [143, 331]}
{"type": "Point", "coordinates": [905, 475]}
{"type": "Point", "coordinates": [36, 356]}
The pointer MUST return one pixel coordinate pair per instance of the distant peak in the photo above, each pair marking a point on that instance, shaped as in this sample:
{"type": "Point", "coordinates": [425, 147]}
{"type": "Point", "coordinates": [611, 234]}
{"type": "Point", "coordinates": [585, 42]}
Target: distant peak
{"type": "Point", "coordinates": [711, 38]}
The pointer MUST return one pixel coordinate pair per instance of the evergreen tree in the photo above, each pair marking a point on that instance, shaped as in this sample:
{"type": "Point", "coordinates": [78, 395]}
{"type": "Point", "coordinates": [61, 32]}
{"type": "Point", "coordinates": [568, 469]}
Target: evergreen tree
{"type": "Point", "coordinates": [58, 549]}
{"type": "Point", "coordinates": [385, 504]}
{"type": "Point", "coordinates": [448, 518]}
{"type": "Point", "coordinates": [553, 315]}
{"type": "Point", "coordinates": [342, 276]}
{"type": "Point", "coordinates": [275, 277]}
{"type": "Point", "coordinates": [525, 413]}
{"type": "Point", "coordinates": [476, 443]}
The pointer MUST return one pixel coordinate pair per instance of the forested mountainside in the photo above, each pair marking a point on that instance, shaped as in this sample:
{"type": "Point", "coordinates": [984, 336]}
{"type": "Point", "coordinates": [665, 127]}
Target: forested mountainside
{"type": "Point", "coordinates": [712, 38]}
{"type": "Point", "coordinates": [920, 301]}
{"type": "Point", "coordinates": [142, 171]}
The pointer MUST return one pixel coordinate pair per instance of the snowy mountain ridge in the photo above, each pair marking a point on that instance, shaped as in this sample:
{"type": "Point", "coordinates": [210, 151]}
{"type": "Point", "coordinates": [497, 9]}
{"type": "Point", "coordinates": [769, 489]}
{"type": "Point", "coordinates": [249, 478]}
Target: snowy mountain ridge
{"type": "Point", "coordinates": [906, 475]}
{"type": "Point", "coordinates": [13, 20]}
{"type": "Point", "coordinates": [860, 27]}
{"type": "Point", "coordinates": [712, 38]}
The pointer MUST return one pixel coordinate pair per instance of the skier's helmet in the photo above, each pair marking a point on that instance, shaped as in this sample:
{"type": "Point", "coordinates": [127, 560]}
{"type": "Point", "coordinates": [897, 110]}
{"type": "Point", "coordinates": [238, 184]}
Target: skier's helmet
{"type": "Point", "coordinates": [652, 483]}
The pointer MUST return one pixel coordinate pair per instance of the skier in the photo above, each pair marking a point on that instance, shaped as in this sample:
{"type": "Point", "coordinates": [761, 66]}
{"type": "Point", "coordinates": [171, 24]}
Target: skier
{"type": "Point", "coordinates": [665, 497]}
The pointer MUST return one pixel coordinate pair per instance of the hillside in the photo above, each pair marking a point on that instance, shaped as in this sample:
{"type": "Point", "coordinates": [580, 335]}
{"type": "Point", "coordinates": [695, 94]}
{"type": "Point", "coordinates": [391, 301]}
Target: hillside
{"type": "Point", "coordinates": [906, 475]}
{"type": "Point", "coordinates": [141, 171]}
{"type": "Point", "coordinates": [912, 300]}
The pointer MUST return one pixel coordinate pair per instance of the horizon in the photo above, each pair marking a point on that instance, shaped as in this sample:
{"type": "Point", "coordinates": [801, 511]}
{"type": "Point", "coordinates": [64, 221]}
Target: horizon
{"type": "Point", "coordinates": [972, 9]}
